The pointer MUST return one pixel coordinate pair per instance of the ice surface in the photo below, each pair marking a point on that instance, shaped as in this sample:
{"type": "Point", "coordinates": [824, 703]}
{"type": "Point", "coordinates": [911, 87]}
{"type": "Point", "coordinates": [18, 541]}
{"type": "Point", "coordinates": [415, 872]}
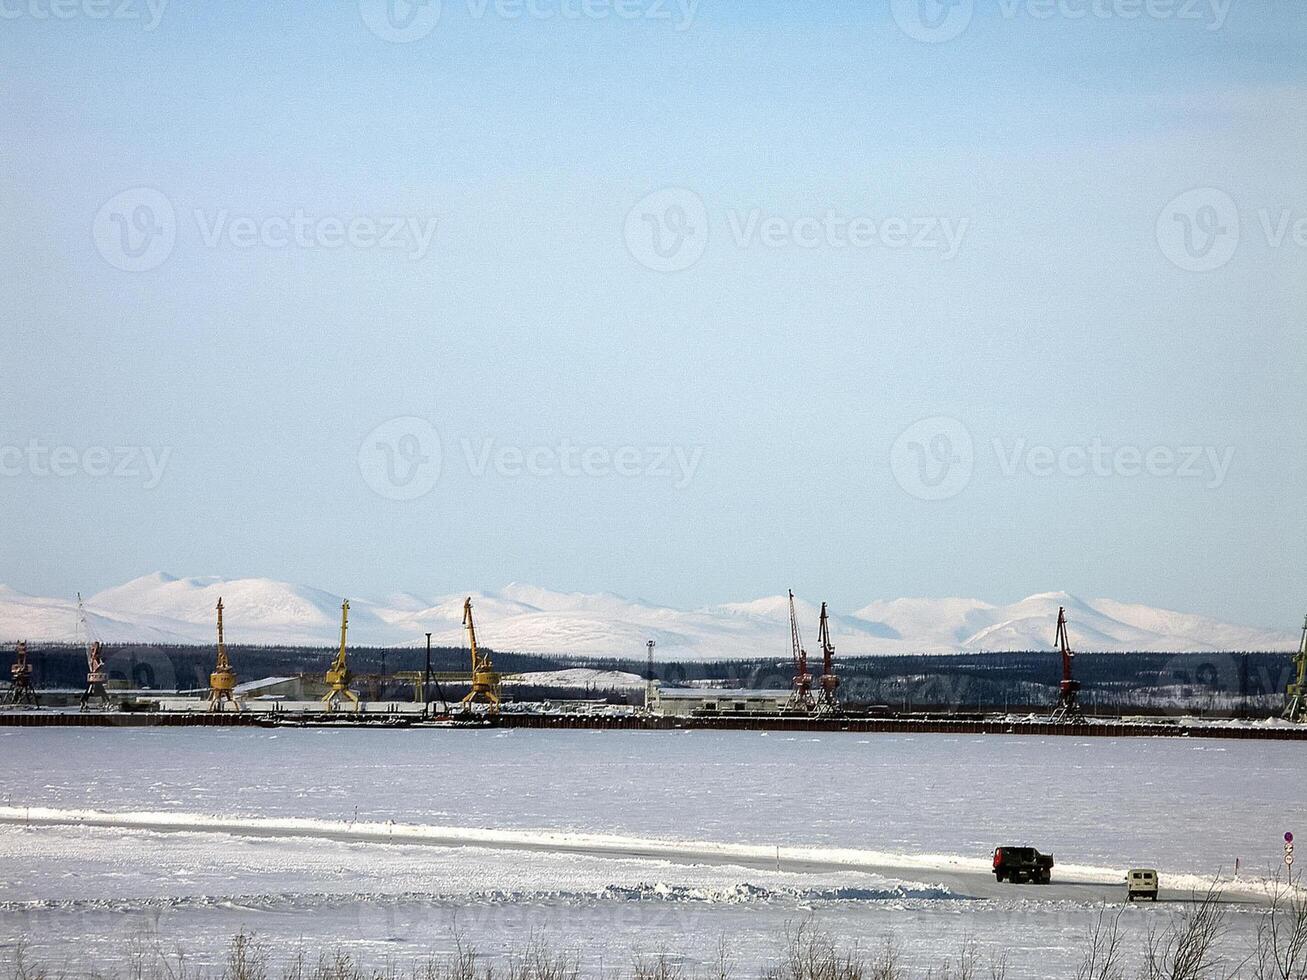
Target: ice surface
{"type": "Point", "coordinates": [548, 821]}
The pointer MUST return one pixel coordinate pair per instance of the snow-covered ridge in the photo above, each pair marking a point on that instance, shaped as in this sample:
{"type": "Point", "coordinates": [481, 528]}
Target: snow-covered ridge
{"type": "Point", "coordinates": [161, 608]}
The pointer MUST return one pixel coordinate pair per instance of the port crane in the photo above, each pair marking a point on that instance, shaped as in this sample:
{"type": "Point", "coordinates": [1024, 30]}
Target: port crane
{"type": "Point", "coordinates": [827, 700]}
{"type": "Point", "coordinates": [801, 685]}
{"type": "Point", "coordinates": [1068, 692]}
{"type": "Point", "coordinates": [95, 672]}
{"type": "Point", "coordinates": [21, 691]}
{"type": "Point", "coordinates": [485, 682]}
{"type": "Point", "coordinates": [338, 674]}
{"type": "Point", "coordinates": [1295, 704]}
{"type": "Point", "coordinates": [222, 682]}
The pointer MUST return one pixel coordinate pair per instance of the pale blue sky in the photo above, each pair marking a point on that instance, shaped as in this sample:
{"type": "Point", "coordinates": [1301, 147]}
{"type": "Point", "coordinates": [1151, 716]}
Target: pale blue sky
{"type": "Point", "coordinates": [1065, 320]}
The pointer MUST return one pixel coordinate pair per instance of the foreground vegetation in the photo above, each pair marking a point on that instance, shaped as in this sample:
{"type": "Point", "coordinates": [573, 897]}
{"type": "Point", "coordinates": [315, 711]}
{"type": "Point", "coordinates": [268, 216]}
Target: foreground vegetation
{"type": "Point", "coordinates": [1195, 946]}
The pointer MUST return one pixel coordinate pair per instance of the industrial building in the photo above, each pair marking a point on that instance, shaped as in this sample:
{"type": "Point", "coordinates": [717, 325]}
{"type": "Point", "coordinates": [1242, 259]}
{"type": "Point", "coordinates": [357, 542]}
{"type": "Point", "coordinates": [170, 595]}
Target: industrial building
{"type": "Point", "coordinates": [684, 702]}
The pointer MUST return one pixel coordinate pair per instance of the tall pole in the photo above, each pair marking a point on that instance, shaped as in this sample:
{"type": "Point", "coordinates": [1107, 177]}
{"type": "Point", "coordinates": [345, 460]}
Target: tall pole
{"type": "Point", "coordinates": [649, 678]}
{"type": "Point", "coordinates": [426, 682]}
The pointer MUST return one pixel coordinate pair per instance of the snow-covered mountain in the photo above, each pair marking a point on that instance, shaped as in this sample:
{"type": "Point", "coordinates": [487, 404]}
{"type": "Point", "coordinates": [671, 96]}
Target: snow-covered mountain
{"type": "Point", "coordinates": [160, 608]}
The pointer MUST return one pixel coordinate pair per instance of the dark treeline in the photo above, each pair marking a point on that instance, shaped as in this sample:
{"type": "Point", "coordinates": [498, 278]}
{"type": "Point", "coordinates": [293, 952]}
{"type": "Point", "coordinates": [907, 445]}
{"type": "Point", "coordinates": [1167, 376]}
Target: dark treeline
{"type": "Point", "coordinates": [1220, 683]}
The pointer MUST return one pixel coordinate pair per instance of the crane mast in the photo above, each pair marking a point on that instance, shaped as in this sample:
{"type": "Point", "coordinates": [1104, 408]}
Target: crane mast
{"type": "Point", "coordinates": [801, 686]}
{"type": "Point", "coordinates": [95, 672]}
{"type": "Point", "coordinates": [1068, 692]}
{"type": "Point", "coordinates": [485, 682]}
{"type": "Point", "coordinates": [21, 691]}
{"type": "Point", "coordinates": [339, 675]}
{"type": "Point", "coordinates": [1295, 705]}
{"type": "Point", "coordinates": [222, 682]}
{"type": "Point", "coordinates": [827, 700]}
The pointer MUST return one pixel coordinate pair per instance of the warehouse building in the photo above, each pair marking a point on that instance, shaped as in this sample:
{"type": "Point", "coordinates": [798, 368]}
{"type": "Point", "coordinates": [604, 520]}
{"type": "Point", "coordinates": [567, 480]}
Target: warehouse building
{"type": "Point", "coordinates": [684, 702]}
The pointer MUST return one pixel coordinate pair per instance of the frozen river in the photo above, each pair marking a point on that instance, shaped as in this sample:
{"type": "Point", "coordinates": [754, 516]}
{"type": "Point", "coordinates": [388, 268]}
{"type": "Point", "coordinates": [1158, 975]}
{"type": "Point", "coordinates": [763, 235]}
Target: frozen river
{"type": "Point", "coordinates": [691, 813]}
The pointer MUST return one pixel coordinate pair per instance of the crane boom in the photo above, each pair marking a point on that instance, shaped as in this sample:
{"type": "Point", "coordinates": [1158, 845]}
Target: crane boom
{"type": "Point", "coordinates": [829, 681]}
{"type": "Point", "coordinates": [1295, 707]}
{"type": "Point", "coordinates": [95, 672]}
{"type": "Point", "coordinates": [1068, 692]}
{"type": "Point", "coordinates": [485, 682]}
{"type": "Point", "coordinates": [801, 692]}
{"type": "Point", "coordinates": [222, 682]}
{"type": "Point", "coordinates": [339, 675]}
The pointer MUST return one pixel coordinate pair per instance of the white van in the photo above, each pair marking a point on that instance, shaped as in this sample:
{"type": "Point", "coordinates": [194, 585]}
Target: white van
{"type": "Point", "coordinates": [1141, 883]}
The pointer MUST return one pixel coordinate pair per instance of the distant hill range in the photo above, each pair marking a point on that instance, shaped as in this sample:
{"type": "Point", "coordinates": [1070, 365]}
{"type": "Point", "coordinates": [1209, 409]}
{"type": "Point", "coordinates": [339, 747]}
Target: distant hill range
{"type": "Point", "coordinates": [159, 608]}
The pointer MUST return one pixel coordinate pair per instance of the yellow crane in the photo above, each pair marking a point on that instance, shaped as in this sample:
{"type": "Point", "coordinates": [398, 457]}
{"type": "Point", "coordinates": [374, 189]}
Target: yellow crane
{"type": "Point", "coordinates": [485, 682]}
{"type": "Point", "coordinates": [222, 682]}
{"type": "Point", "coordinates": [1295, 706]}
{"type": "Point", "coordinates": [339, 674]}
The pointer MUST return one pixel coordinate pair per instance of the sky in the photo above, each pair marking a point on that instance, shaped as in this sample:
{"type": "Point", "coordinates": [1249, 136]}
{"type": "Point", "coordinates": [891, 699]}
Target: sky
{"type": "Point", "coordinates": [688, 302]}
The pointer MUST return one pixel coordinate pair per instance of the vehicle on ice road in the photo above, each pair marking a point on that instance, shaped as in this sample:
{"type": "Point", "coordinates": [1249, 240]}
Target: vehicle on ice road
{"type": "Point", "coordinates": [1141, 883]}
{"type": "Point", "coordinates": [1018, 864]}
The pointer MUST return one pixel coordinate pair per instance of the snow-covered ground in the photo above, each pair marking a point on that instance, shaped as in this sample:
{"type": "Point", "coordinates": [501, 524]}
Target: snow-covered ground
{"type": "Point", "coordinates": [619, 840]}
{"type": "Point", "coordinates": [160, 608]}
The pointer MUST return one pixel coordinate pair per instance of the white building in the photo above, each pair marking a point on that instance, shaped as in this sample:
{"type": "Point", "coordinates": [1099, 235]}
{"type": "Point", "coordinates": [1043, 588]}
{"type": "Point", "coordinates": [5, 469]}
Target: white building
{"type": "Point", "coordinates": [683, 702]}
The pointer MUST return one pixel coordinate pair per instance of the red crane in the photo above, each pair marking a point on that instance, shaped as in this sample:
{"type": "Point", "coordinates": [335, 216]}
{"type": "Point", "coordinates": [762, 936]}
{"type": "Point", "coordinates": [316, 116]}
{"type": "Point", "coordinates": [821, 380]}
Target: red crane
{"type": "Point", "coordinates": [827, 700]}
{"type": "Point", "coordinates": [801, 692]}
{"type": "Point", "coordinates": [1068, 692]}
{"type": "Point", "coordinates": [95, 672]}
